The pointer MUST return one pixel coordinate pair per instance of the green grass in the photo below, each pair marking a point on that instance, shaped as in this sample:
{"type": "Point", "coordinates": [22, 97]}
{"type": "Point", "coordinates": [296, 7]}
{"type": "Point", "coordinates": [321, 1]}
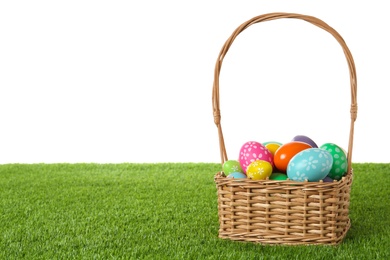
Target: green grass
{"type": "Point", "coordinates": [158, 211]}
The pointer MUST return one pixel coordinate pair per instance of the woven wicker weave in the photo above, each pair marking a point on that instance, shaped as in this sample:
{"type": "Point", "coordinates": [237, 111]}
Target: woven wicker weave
{"type": "Point", "coordinates": [283, 212]}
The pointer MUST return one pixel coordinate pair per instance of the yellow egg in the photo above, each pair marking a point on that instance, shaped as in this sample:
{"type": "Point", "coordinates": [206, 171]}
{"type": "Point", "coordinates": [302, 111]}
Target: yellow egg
{"type": "Point", "coordinates": [272, 147]}
{"type": "Point", "coordinates": [259, 170]}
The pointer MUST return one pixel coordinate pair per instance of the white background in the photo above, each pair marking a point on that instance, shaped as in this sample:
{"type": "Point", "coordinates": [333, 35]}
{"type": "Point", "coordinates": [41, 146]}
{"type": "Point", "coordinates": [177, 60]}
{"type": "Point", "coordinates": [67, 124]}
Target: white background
{"type": "Point", "coordinates": [130, 81]}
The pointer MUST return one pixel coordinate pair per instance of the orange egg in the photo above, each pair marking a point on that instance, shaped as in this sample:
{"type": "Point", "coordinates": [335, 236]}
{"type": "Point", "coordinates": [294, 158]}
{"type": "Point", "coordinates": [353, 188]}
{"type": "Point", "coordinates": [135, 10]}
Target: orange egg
{"type": "Point", "coordinates": [287, 151]}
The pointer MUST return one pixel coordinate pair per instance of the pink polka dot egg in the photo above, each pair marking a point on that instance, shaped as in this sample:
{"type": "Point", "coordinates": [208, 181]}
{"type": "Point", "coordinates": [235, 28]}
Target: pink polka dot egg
{"type": "Point", "coordinates": [252, 151]}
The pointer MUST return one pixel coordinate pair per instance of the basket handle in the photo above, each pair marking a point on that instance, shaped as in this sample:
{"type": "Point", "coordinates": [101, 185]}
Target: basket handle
{"type": "Point", "coordinates": [274, 16]}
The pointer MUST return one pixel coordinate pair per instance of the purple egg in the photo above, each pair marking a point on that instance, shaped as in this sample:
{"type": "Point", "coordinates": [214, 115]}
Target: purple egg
{"type": "Point", "coordinates": [327, 179]}
{"type": "Point", "coordinates": [305, 139]}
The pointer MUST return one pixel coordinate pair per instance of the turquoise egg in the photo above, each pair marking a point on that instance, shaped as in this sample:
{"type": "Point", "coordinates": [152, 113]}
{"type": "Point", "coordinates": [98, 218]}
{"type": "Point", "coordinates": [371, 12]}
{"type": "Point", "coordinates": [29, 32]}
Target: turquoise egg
{"type": "Point", "coordinates": [311, 164]}
{"type": "Point", "coordinates": [237, 175]}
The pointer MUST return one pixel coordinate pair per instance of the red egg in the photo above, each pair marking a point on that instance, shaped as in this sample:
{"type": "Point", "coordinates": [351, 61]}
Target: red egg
{"type": "Point", "coordinates": [287, 151]}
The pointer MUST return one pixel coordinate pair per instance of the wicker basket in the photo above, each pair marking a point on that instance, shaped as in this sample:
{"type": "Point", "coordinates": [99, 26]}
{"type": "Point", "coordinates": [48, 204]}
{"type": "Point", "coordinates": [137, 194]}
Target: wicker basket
{"type": "Point", "coordinates": [283, 212]}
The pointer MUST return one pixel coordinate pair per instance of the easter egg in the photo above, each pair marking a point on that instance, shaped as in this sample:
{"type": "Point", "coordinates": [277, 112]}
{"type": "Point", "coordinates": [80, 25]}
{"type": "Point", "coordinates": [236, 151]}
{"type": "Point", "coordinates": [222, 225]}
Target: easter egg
{"type": "Point", "coordinates": [252, 151]}
{"type": "Point", "coordinates": [271, 142]}
{"type": "Point", "coordinates": [339, 166]}
{"type": "Point", "coordinates": [327, 179]}
{"type": "Point", "coordinates": [305, 139]}
{"type": "Point", "coordinates": [259, 170]}
{"type": "Point", "coordinates": [272, 146]}
{"type": "Point", "coordinates": [277, 176]}
{"type": "Point", "coordinates": [237, 175]}
{"type": "Point", "coordinates": [231, 166]}
{"type": "Point", "coordinates": [312, 164]}
{"type": "Point", "coordinates": [287, 151]}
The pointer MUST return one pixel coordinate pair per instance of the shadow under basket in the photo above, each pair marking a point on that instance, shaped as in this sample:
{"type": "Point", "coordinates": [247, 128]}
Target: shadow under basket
{"type": "Point", "coordinates": [283, 212]}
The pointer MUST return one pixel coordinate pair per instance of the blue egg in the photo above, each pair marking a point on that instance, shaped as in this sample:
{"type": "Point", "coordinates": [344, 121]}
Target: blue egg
{"type": "Point", "coordinates": [312, 164]}
{"type": "Point", "coordinates": [237, 175]}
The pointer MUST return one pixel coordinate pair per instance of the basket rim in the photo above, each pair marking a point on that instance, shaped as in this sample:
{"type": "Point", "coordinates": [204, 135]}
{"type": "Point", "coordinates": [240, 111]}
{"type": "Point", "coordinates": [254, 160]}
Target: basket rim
{"type": "Point", "coordinates": [221, 179]}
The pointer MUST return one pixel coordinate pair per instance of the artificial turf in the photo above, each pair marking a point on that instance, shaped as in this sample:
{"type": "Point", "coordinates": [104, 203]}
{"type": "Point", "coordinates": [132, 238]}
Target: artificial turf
{"type": "Point", "coordinates": [158, 211]}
